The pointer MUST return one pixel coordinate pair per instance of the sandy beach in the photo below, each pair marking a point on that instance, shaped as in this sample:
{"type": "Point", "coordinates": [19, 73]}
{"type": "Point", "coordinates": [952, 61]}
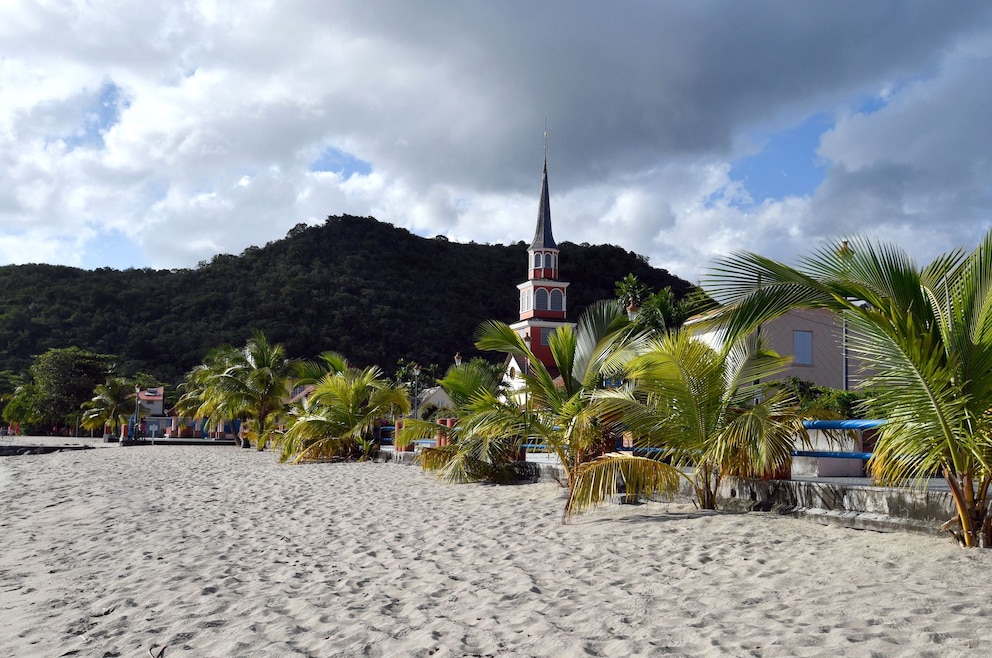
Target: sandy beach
{"type": "Point", "coordinates": [225, 552]}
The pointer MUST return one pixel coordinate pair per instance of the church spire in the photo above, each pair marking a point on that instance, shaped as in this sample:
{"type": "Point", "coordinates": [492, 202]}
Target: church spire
{"type": "Point", "coordinates": [543, 303]}
{"type": "Point", "coordinates": [543, 239]}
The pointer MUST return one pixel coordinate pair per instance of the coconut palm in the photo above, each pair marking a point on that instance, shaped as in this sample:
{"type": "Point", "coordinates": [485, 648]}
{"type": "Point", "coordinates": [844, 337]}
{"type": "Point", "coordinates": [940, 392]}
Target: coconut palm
{"type": "Point", "coordinates": [329, 362]}
{"type": "Point", "coordinates": [111, 405]}
{"type": "Point", "coordinates": [925, 335]}
{"type": "Point", "coordinates": [339, 417]}
{"type": "Point", "coordinates": [558, 410]}
{"type": "Point", "coordinates": [477, 450]}
{"type": "Point", "coordinates": [198, 399]}
{"type": "Point", "coordinates": [699, 415]}
{"type": "Point", "coordinates": [631, 293]}
{"type": "Point", "coordinates": [253, 382]}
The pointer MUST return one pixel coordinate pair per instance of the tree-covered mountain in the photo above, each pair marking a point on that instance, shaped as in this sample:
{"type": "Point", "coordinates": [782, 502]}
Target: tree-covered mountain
{"type": "Point", "coordinates": [370, 290]}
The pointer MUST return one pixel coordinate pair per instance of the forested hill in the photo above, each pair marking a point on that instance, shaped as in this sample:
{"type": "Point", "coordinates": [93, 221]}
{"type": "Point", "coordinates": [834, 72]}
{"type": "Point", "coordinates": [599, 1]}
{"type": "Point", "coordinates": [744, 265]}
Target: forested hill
{"type": "Point", "coordinates": [364, 288]}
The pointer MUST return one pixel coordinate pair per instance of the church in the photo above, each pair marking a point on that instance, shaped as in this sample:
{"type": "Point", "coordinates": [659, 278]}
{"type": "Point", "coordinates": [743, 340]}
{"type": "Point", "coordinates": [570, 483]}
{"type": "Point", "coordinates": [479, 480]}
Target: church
{"type": "Point", "coordinates": [543, 297]}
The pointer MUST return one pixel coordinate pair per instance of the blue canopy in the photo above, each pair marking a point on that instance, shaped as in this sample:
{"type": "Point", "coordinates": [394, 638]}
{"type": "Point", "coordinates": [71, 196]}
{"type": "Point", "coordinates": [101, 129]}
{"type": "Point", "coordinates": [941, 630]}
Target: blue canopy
{"type": "Point", "coordinates": [842, 424]}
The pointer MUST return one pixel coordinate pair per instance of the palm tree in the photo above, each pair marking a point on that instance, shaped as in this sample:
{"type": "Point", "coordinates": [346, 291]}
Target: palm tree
{"type": "Point", "coordinates": [700, 415]}
{"type": "Point", "coordinates": [329, 362]}
{"type": "Point", "coordinates": [252, 383]}
{"type": "Point", "coordinates": [477, 451]}
{"type": "Point", "coordinates": [558, 411]}
{"type": "Point", "coordinates": [631, 293]}
{"type": "Point", "coordinates": [659, 312]}
{"type": "Point", "coordinates": [339, 417]}
{"type": "Point", "coordinates": [198, 399]}
{"type": "Point", "coordinates": [111, 405]}
{"type": "Point", "coordinates": [925, 335]}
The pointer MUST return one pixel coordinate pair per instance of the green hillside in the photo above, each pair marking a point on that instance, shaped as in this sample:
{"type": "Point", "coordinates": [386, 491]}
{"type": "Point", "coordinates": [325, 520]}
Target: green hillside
{"type": "Point", "coordinates": [362, 287]}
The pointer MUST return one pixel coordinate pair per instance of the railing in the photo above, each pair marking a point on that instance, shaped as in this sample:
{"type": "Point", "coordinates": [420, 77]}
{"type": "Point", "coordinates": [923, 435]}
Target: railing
{"type": "Point", "coordinates": [858, 425]}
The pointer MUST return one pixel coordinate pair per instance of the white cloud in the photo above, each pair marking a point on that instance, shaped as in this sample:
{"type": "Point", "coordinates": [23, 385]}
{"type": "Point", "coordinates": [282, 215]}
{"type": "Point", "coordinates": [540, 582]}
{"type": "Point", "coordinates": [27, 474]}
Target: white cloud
{"type": "Point", "coordinates": [224, 106]}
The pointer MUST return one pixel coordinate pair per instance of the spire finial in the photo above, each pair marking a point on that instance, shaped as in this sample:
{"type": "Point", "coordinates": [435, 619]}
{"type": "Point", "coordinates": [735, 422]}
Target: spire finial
{"type": "Point", "coordinates": [545, 138]}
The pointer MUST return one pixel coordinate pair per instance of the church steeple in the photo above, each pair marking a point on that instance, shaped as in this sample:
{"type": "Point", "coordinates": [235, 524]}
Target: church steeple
{"type": "Point", "coordinates": [543, 239]}
{"type": "Point", "coordinates": [543, 252]}
{"type": "Point", "coordinates": [543, 303]}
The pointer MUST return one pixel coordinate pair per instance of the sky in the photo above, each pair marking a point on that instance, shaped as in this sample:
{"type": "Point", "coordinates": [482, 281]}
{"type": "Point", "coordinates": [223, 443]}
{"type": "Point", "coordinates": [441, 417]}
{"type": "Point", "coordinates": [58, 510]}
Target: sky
{"type": "Point", "coordinates": [160, 134]}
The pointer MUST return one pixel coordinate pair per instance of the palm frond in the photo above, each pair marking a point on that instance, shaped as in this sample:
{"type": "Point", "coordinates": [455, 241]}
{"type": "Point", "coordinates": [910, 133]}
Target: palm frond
{"type": "Point", "coordinates": [599, 480]}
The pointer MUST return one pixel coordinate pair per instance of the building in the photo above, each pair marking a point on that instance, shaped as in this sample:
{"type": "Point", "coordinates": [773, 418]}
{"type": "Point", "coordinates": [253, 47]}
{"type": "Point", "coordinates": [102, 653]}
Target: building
{"type": "Point", "coordinates": [152, 401]}
{"type": "Point", "coordinates": [816, 339]}
{"type": "Point", "coordinates": [434, 396]}
{"type": "Point", "coordinates": [543, 297]}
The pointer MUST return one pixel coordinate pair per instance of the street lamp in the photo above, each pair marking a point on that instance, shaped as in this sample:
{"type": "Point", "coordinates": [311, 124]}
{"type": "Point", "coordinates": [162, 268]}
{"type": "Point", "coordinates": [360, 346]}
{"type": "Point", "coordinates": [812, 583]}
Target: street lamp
{"type": "Point", "coordinates": [416, 390]}
{"type": "Point", "coordinates": [137, 413]}
{"type": "Point", "coordinates": [526, 365]}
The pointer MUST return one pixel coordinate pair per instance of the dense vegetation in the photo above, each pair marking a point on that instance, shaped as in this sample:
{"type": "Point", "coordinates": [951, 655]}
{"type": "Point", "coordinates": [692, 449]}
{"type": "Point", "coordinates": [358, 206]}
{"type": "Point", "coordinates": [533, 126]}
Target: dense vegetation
{"type": "Point", "coordinates": [925, 337]}
{"type": "Point", "coordinates": [373, 292]}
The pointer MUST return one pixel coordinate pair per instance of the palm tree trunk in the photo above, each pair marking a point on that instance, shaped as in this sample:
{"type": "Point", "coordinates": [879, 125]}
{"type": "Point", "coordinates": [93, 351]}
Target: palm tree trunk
{"type": "Point", "coordinates": [973, 513]}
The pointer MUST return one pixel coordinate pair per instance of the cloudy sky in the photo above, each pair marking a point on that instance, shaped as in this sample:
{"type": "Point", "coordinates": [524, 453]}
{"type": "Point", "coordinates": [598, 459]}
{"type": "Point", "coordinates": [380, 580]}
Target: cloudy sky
{"type": "Point", "coordinates": [158, 134]}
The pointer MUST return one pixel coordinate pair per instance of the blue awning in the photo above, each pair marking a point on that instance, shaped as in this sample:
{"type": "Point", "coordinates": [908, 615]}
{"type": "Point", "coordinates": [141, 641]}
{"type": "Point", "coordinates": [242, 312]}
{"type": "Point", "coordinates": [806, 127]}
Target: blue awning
{"type": "Point", "coordinates": [842, 424]}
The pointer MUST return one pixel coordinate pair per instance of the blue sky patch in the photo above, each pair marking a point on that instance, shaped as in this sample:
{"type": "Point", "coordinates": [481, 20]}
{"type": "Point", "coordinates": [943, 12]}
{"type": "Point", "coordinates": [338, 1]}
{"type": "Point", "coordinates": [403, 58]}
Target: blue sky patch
{"type": "Point", "coordinates": [113, 249]}
{"type": "Point", "coordinates": [98, 117]}
{"type": "Point", "coordinates": [340, 162]}
{"type": "Point", "coordinates": [787, 165]}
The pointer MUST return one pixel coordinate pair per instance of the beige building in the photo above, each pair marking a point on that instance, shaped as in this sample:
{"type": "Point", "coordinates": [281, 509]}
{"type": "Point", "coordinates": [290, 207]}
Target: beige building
{"type": "Point", "coordinates": [815, 339]}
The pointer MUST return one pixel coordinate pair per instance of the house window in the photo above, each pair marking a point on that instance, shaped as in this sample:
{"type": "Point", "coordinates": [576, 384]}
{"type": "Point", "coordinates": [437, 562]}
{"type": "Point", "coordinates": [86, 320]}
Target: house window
{"type": "Point", "coordinates": [557, 300]}
{"type": "Point", "coordinates": [537, 261]}
{"type": "Point", "coordinates": [545, 335]}
{"type": "Point", "coordinates": [802, 348]}
{"type": "Point", "coordinates": [541, 299]}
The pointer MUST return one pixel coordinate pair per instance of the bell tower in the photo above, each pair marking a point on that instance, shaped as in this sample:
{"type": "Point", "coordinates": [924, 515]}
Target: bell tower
{"type": "Point", "coordinates": [543, 298]}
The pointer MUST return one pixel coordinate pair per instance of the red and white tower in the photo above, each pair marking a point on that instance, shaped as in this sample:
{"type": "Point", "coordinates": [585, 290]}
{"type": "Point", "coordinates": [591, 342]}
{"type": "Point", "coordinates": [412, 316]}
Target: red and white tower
{"type": "Point", "coordinates": [543, 298]}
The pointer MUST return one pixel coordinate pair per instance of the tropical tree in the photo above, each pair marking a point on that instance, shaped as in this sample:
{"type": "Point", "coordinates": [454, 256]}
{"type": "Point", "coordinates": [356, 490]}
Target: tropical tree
{"type": "Point", "coordinates": [9, 381]}
{"type": "Point", "coordinates": [631, 293]}
{"type": "Point", "coordinates": [327, 363]}
{"type": "Point", "coordinates": [476, 450]}
{"type": "Point", "coordinates": [558, 411]}
{"type": "Point", "coordinates": [197, 399]}
{"type": "Point", "coordinates": [65, 378]}
{"type": "Point", "coordinates": [339, 417]}
{"type": "Point", "coordinates": [253, 383]}
{"type": "Point", "coordinates": [111, 405]}
{"type": "Point", "coordinates": [22, 408]}
{"type": "Point", "coordinates": [659, 312]}
{"type": "Point", "coordinates": [925, 335]}
{"type": "Point", "coordinates": [699, 415]}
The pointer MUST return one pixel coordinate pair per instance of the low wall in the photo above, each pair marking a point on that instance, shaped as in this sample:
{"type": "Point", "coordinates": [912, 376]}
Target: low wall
{"type": "Point", "coordinates": [851, 505]}
{"type": "Point", "coordinates": [848, 505]}
{"type": "Point", "coordinates": [14, 450]}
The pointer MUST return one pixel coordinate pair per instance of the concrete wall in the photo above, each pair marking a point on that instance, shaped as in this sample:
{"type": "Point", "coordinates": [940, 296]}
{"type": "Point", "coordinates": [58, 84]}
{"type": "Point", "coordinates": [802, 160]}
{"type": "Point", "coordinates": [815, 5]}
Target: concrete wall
{"type": "Point", "coordinates": [838, 441]}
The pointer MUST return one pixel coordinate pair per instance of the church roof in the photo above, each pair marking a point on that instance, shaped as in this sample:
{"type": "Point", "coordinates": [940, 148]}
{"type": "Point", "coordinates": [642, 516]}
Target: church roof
{"type": "Point", "coordinates": [543, 239]}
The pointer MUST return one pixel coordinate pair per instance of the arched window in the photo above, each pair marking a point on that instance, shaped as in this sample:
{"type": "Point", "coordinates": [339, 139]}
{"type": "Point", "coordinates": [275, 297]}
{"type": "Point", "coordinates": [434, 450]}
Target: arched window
{"type": "Point", "coordinates": [557, 300]}
{"type": "Point", "coordinates": [541, 299]}
{"type": "Point", "coordinates": [551, 261]}
{"type": "Point", "coordinates": [537, 260]}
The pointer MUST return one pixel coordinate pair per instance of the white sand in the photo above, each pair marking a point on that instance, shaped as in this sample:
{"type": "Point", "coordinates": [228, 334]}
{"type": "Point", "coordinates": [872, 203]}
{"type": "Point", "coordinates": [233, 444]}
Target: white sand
{"type": "Point", "coordinates": [224, 552]}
